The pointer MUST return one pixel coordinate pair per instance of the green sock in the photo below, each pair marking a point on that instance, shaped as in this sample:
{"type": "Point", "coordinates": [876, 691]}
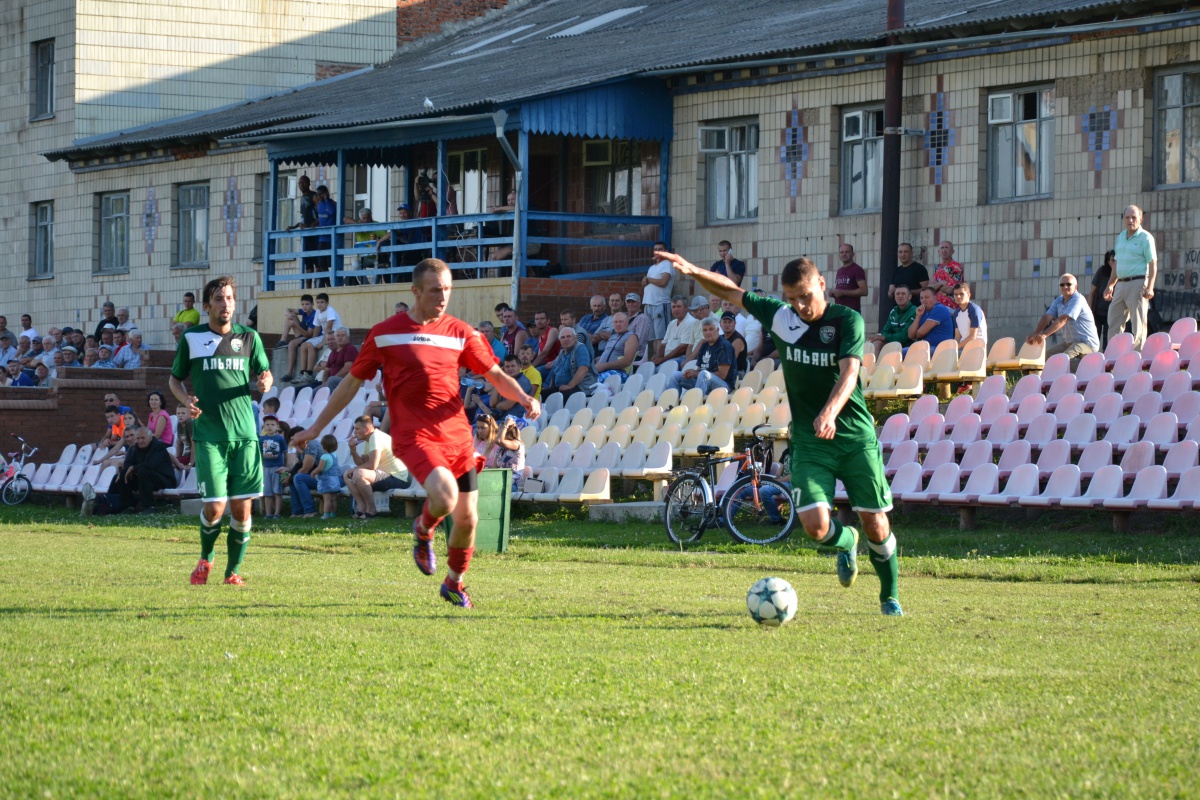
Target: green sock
{"type": "Point", "coordinates": [209, 533]}
{"type": "Point", "coordinates": [839, 536]}
{"type": "Point", "coordinates": [887, 567]}
{"type": "Point", "coordinates": [236, 541]}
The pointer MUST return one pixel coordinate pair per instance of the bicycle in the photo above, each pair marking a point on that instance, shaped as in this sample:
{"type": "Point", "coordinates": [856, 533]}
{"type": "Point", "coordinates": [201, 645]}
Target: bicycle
{"type": "Point", "coordinates": [756, 509]}
{"type": "Point", "coordinates": [14, 486]}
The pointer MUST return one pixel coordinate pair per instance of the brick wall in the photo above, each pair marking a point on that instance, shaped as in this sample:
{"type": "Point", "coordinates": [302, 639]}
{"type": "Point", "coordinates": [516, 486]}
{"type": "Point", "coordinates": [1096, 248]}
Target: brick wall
{"type": "Point", "coordinates": [418, 18]}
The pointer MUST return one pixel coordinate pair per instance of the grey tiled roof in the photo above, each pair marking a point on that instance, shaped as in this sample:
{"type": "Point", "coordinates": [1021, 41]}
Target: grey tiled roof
{"type": "Point", "coordinates": [533, 49]}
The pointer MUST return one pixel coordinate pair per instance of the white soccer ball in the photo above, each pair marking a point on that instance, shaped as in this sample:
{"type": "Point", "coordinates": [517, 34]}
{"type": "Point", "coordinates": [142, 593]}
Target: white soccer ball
{"type": "Point", "coordinates": [772, 601]}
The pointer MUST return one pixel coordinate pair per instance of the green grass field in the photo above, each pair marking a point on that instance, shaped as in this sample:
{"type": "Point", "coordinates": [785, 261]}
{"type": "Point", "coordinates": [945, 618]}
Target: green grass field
{"type": "Point", "coordinates": [1037, 659]}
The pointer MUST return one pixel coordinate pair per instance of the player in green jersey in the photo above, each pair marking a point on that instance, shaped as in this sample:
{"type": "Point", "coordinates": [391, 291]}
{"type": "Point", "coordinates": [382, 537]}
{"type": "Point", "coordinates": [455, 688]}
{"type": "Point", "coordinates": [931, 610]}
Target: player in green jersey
{"type": "Point", "coordinates": [220, 359]}
{"type": "Point", "coordinates": [833, 434]}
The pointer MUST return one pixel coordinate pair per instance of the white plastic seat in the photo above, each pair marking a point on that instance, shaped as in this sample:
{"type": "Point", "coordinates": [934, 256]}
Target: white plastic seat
{"type": "Point", "coordinates": [1108, 409]}
{"type": "Point", "coordinates": [613, 384]}
{"type": "Point", "coordinates": [1097, 387]}
{"type": "Point", "coordinates": [779, 422]}
{"type": "Point", "coordinates": [679, 415]}
{"type": "Point", "coordinates": [1123, 431]}
{"type": "Point", "coordinates": [958, 408]}
{"type": "Point", "coordinates": [88, 454]}
{"type": "Point", "coordinates": [42, 475]}
{"type": "Point", "coordinates": [1164, 365]}
{"type": "Point", "coordinates": [1150, 484]}
{"type": "Point", "coordinates": [756, 415]}
{"type": "Point", "coordinates": [983, 480]}
{"type": "Point", "coordinates": [939, 453]}
{"type": "Point", "coordinates": [1080, 432]}
{"type": "Point", "coordinates": [1133, 389]}
{"type": "Point", "coordinates": [704, 415]}
{"type": "Point", "coordinates": [54, 478]}
{"type": "Point", "coordinates": [669, 398]}
{"type": "Point", "coordinates": [905, 452]}
{"type": "Point", "coordinates": [608, 457]}
{"type": "Point", "coordinates": [1030, 409]}
{"type": "Point", "coordinates": [945, 480]}
{"type": "Point", "coordinates": [1042, 430]}
{"type": "Point", "coordinates": [529, 436]}
{"type": "Point", "coordinates": [1127, 366]}
{"type": "Point", "coordinates": [993, 409]}
{"type": "Point", "coordinates": [595, 488]}
{"type": "Point", "coordinates": [993, 386]}
{"type": "Point", "coordinates": [537, 455]}
{"type": "Point", "coordinates": [634, 385]}
{"type": "Point", "coordinates": [1053, 456]}
{"type": "Point", "coordinates": [596, 436]}
{"type": "Point", "coordinates": [572, 436]}
{"type": "Point", "coordinates": [655, 385]}
{"type": "Point", "coordinates": [1189, 350]}
{"type": "Point", "coordinates": [1147, 406]}
{"type": "Point", "coordinates": [561, 419]}
{"type": "Point", "coordinates": [1063, 483]}
{"type": "Point", "coordinates": [1090, 366]}
{"type": "Point", "coordinates": [584, 456]}
{"type": "Point", "coordinates": [186, 488]}
{"type": "Point", "coordinates": [633, 458]}
{"type": "Point", "coordinates": [1118, 345]}
{"type": "Point", "coordinates": [598, 401]}
{"type": "Point", "coordinates": [1185, 497]}
{"type": "Point", "coordinates": [907, 480]}
{"type": "Point", "coordinates": [1023, 482]}
{"type": "Point", "coordinates": [1012, 456]}
{"type": "Point", "coordinates": [631, 416]}
{"type": "Point", "coordinates": [1068, 409]}
{"type": "Point", "coordinates": [656, 465]}
{"type": "Point", "coordinates": [575, 403]}
{"type": "Point", "coordinates": [1105, 483]}
{"type": "Point", "coordinates": [924, 406]}
{"type": "Point", "coordinates": [553, 405]}
{"type": "Point", "coordinates": [1136, 458]}
{"type": "Point", "coordinates": [975, 455]}
{"type": "Point", "coordinates": [895, 430]}
{"type": "Point", "coordinates": [1026, 387]}
{"type": "Point", "coordinates": [1093, 457]}
{"type": "Point", "coordinates": [104, 482]}
{"type": "Point", "coordinates": [1181, 457]}
{"type": "Point", "coordinates": [560, 456]}
{"type": "Point", "coordinates": [1062, 386]}
{"type": "Point", "coordinates": [931, 429]}
{"type": "Point", "coordinates": [646, 369]}
{"type": "Point", "coordinates": [621, 436]}
{"type": "Point", "coordinates": [551, 480]}
{"type": "Point", "coordinates": [1181, 329]}
{"type": "Point", "coordinates": [67, 456]}
{"type": "Point", "coordinates": [965, 431]}
{"type": "Point", "coordinates": [1055, 367]}
{"type": "Point", "coordinates": [583, 417]}
{"type": "Point", "coordinates": [1174, 386]}
{"type": "Point", "coordinates": [620, 401]}
{"type": "Point", "coordinates": [1162, 431]}
{"type": "Point", "coordinates": [1155, 344]}
{"type": "Point", "coordinates": [1003, 430]}
{"type": "Point", "coordinates": [69, 481]}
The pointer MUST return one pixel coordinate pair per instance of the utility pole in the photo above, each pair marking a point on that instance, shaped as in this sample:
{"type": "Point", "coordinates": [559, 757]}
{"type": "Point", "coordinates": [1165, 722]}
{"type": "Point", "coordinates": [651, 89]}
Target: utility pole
{"type": "Point", "coordinates": [893, 131]}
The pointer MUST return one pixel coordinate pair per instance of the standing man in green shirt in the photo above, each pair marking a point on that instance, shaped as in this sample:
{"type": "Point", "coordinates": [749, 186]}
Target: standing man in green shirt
{"type": "Point", "coordinates": [833, 434]}
{"type": "Point", "coordinates": [220, 359]}
{"type": "Point", "coordinates": [188, 315]}
{"type": "Point", "coordinates": [899, 319]}
{"type": "Point", "coordinates": [1131, 286]}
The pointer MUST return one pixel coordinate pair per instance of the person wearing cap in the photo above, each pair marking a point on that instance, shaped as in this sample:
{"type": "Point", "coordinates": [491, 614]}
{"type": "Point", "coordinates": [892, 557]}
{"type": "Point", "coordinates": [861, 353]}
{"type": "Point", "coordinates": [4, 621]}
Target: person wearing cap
{"type": "Point", "coordinates": [106, 336]}
{"type": "Point", "coordinates": [736, 341]}
{"type": "Point", "coordinates": [70, 354]}
{"type": "Point", "coordinates": [683, 331]}
{"type": "Point", "coordinates": [639, 324]}
{"type": "Point", "coordinates": [104, 361]}
{"type": "Point", "coordinates": [108, 316]}
{"type": "Point", "coordinates": [77, 338]}
{"type": "Point", "coordinates": [714, 364]}
{"type": "Point", "coordinates": [7, 351]}
{"type": "Point", "coordinates": [42, 376]}
{"type": "Point", "coordinates": [187, 315]}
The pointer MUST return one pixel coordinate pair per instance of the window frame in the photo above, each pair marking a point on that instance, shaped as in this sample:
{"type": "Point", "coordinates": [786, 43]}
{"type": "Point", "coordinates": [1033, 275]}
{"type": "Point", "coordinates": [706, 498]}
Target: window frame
{"type": "Point", "coordinates": [110, 224]}
{"type": "Point", "coordinates": [623, 166]}
{"type": "Point", "coordinates": [41, 80]}
{"type": "Point", "coordinates": [1045, 124]}
{"type": "Point", "coordinates": [1158, 121]}
{"type": "Point", "coordinates": [41, 261]}
{"type": "Point", "coordinates": [458, 176]}
{"type": "Point", "coordinates": [865, 116]}
{"type": "Point", "coordinates": [738, 143]}
{"type": "Point", "coordinates": [194, 211]}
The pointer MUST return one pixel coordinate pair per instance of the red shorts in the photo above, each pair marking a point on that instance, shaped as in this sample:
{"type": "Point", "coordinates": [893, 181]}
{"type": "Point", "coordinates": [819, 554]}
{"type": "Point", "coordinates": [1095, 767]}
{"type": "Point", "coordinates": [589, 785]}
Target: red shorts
{"type": "Point", "coordinates": [422, 454]}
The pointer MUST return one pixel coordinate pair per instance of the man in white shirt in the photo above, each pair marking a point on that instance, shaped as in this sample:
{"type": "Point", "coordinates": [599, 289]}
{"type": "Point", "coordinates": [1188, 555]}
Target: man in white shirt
{"type": "Point", "coordinates": [683, 332]}
{"type": "Point", "coordinates": [326, 321]}
{"type": "Point", "coordinates": [750, 329]}
{"type": "Point", "coordinates": [375, 469]}
{"type": "Point", "coordinates": [124, 323]}
{"type": "Point", "coordinates": [656, 298]}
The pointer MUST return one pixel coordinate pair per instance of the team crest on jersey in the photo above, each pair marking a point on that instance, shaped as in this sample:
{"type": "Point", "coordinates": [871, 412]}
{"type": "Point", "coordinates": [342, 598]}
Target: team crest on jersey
{"type": "Point", "coordinates": [827, 334]}
{"type": "Point", "coordinates": [236, 344]}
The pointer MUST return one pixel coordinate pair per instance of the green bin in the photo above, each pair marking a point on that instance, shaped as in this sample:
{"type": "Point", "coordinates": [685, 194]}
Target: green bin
{"type": "Point", "coordinates": [495, 498]}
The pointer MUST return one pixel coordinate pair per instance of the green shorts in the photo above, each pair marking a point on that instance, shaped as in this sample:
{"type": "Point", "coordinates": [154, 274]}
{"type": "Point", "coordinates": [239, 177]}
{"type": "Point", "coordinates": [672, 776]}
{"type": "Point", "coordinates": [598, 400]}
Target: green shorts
{"type": "Point", "coordinates": [818, 464]}
{"type": "Point", "coordinates": [229, 470]}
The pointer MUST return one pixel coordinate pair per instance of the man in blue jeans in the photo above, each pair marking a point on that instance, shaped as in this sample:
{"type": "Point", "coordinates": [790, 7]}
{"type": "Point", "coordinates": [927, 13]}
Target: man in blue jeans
{"type": "Point", "coordinates": [303, 483]}
{"type": "Point", "coordinates": [714, 363]}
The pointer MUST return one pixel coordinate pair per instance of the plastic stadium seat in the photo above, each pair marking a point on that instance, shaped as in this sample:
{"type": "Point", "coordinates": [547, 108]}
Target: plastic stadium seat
{"type": "Point", "coordinates": [1023, 482]}
{"type": "Point", "coordinates": [722, 436]}
{"type": "Point", "coordinates": [529, 436]}
{"type": "Point", "coordinates": [1003, 350]}
{"type": "Point", "coordinates": [583, 417]}
{"type": "Point", "coordinates": [922, 407]}
{"type": "Point", "coordinates": [1148, 405]}
{"type": "Point", "coordinates": [561, 419]}
{"type": "Point", "coordinates": [54, 476]}
{"type": "Point", "coordinates": [631, 417]}
{"type": "Point", "coordinates": [743, 397]}
{"type": "Point", "coordinates": [883, 378]}
{"type": "Point", "coordinates": [902, 453]}
{"type": "Point", "coordinates": [596, 436]}
{"type": "Point", "coordinates": [992, 410]}
{"type": "Point", "coordinates": [1164, 366]}
{"type": "Point", "coordinates": [644, 400]}
{"type": "Point", "coordinates": [1056, 367]}
{"type": "Point", "coordinates": [584, 456]}
{"type": "Point", "coordinates": [895, 429]}
{"type": "Point", "coordinates": [1155, 343]}
{"type": "Point", "coordinates": [1090, 366]}
{"type": "Point", "coordinates": [550, 436]}
{"type": "Point", "coordinates": [1189, 350]}
{"type": "Point", "coordinates": [729, 414]}
{"type": "Point", "coordinates": [1174, 385]}
{"type": "Point", "coordinates": [647, 435]}
{"type": "Point", "coordinates": [1012, 456]}
{"type": "Point", "coordinates": [1030, 358]}
{"type": "Point", "coordinates": [717, 398]}
{"type": "Point", "coordinates": [657, 464]}
{"type": "Point", "coordinates": [1162, 431]}
{"type": "Point", "coordinates": [1127, 366]}
{"type": "Point", "coordinates": [1150, 484]}
{"type": "Point", "coordinates": [939, 453]}
{"type": "Point", "coordinates": [633, 458]}
{"type": "Point", "coordinates": [779, 422]}
{"type": "Point", "coordinates": [917, 355]}
{"type": "Point", "coordinates": [1187, 407]}
{"type": "Point", "coordinates": [868, 361]}
{"type": "Point", "coordinates": [560, 456]}
{"type": "Point", "coordinates": [770, 397]}
{"type": "Point", "coordinates": [775, 380]}
{"type": "Point", "coordinates": [958, 408]}
{"type": "Point", "coordinates": [909, 383]}
{"type": "Point", "coordinates": [726, 475]}
{"type": "Point", "coordinates": [537, 456]}
{"type": "Point", "coordinates": [1105, 483]}
{"type": "Point", "coordinates": [983, 480]}
{"type": "Point", "coordinates": [753, 381]}
{"type": "Point", "coordinates": [1063, 483]}
{"type": "Point", "coordinates": [1068, 409]}
{"type": "Point", "coordinates": [994, 386]}
{"type": "Point", "coordinates": [889, 348]}
{"type": "Point", "coordinates": [646, 369]}
{"type": "Point", "coordinates": [67, 456]}
{"type": "Point", "coordinates": [1053, 456]}
{"type": "Point", "coordinates": [1181, 457]}
{"type": "Point", "coordinates": [188, 487]}
{"type": "Point", "coordinates": [669, 399]}
{"type": "Point", "coordinates": [109, 474]}
{"type": "Point", "coordinates": [576, 403]}
{"type": "Point", "coordinates": [931, 429]}
{"type": "Point", "coordinates": [1003, 430]}
{"type": "Point", "coordinates": [1080, 432]}
{"type": "Point", "coordinates": [1187, 493]}
{"type": "Point", "coordinates": [673, 435]}
{"type": "Point", "coordinates": [1030, 409]}
{"type": "Point", "coordinates": [1123, 431]}
{"type": "Point", "coordinates": [1108, 409]}
{"type": "Point", "coordinates": [1181, 329]}
{"type": "Point", "coordinates": [613, 383]}
{"type": "Point", "coordinates": [286, 395]}
{"type": "Point", "coordinates": [703, 415]}
{"type": "Point", "coordinates": [551, 480]}
{"type": "Point", "coordinates": [606, 417]}
{"type": "Point", "coordinates": [907, 480]}
{"type": "Point", "coordinates": [656, 385]}
{"type": "Point", "coordinates": [970, 369]}
{"type": "Point", "coordinates": [965, 431]}
{"type": "Point", "coordinates": [654, 417]}
{"type": "Point", "coordinates": [753, 416]}
{"type": "Point", "coordinates": [692, 399]}
{"type": "Point", "coordinates": [695, 436]}
{"type": "Point", "coordinates": [1062, 386]}
{"type": "Point", "coordinates": [608, 457]}
{"type": "Point", "coordinates": [945, 479]}
{"type": "Point", "coordinates": [1042, 430]}
{"type": "Point", "coordinates": [1097, 387]}
{"type": "Point", "coordinates": [595, 489]}
{"type": "Point", "coordinates": [69, 481]}
{"type": "Point", "coordinates": [944, 359]}
{"type": "Point", "coordinates": [1026, 387]}
{"type": "Point", "coordinates": [678, 415]}
{"type": "Point", "coordinates": [1118, 346]}
{"type": "Point", "coordinates": [634, 385]}
{"type": "Point", "coordinates": [1093, 457]}
{"type": "Point", "coordinates": [621, 436]}
{"type": "Point", "coordinates": [598, 401]}
{"type": "Point", "coordinates": [89, 454]}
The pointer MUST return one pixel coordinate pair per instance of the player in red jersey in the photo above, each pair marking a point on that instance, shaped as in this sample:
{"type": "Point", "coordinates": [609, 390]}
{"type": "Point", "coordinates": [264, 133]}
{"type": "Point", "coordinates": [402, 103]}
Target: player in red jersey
{"type": "Point", "coordinates": [420, 351]}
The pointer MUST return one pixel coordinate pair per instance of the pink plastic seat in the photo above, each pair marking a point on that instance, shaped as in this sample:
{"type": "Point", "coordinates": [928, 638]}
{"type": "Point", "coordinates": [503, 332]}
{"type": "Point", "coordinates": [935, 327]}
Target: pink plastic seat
{"type": "Point", "coordinates": [1147, 405]}
{"type": "Point", "coordinates": [1042, 430]}
{"type": "Point", "coordinates": [1108, 409]}
{"type": "Point", "coordinates": [1053, 456]}
{"type": "Point", "coordinates": [1150, 484]}
{"type": "Point", "coordinates": [974, 456]}
{"type": "Point", "coordinates": [1063, 385]}
{"type": "Point", "coordinates": [931, 429]}
{"type": "Point", "coordinates": [1164, 365]}
{"type": "Point", "coordinates": [959, 407]}
{"type": "Point", "coordinates": [1176, 384]}
{"type": "Point", "coordinates": [1013, 456]}
{"type": "Point", "coordinates": [1080, 432]}
{"type": "Point", "coordinates": [1139, 456]}
{"type": "Point", "coordinates": [965, 431]}
{"type": "Point", "coordinates": [1031, 408]}
{"type": "Point", "coordinates": [993, 409]}
{"type": "Point", "coordinates": [1181, 457]}
{"type": "Point", "coordinates": [1003, 431]}
{"type": "Point", "coordinates": [941, 452]}
{"type": "Point", "coordinates": [1056, 367]}
{"type": "Point", "coordinates": [1093, 457]}
{"type": "Point", "coordinates": [905, 452]}
{"type": "Point", "coordinates": [1107, 482]}
{"type": "Point", "coordinates": [1026, 387]}
{"type": "Point", "coordinates": [1162, 431]}
{"type": "Point", "coordinates": [1187, 494]}
{"type": "Point", "coordinates": [1068, 408]}
{"type": "Point", "coordinates": [1135, 387]}
{"type": "Point", "coordinates": [1124, 430]}
{"type": "Point", "coordinates": [894, 431]}
{"type": "Point", "coordinates": [983, 481]}
{"type": "Point", "coordinates": [908, 479]}
{"type": "Point", "coordinates": [1189, 350]}
{"type": "Point", "coordinates": [1097, 387]}
{"type": "Point", "coordinates": [1155, 344]}
{"type": "Point", "coordinates": [1118, 346]}
{"type": "Point", "coordinates": [1063, 483]}
{"type": "Point", "coordinates": [1186, 406]}
{"type": "Point", "coordinates": [945, 479]}
{"type": "Point", "coordinates": [1127, 366]}
{"type": "Point", "coordinates": [1181, 329]}
{"type": "Point", "coordinates": [1090, 367]}
{"type": "Point", "coordinates": [1023, 482]}
{"type": "Point", "coordinates": [992, 386]}
{"type": "Point", "coordinates": [924, 406]}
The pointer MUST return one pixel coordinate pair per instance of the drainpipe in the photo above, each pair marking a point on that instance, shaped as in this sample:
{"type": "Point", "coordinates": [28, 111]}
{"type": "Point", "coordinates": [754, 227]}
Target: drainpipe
{"type": "Point", "coordinates": [893, 97]}
{"type": "Point", "coordinates": [500, 118]}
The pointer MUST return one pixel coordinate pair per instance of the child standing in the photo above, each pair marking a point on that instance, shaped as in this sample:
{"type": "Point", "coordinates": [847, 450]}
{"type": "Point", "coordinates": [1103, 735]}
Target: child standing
{"type": "Point", "coordinates": [183, 436]}
{"type": "Point", "coordinates": [274, 448]}
{"type": "Point", "coordinates": [329, 479]}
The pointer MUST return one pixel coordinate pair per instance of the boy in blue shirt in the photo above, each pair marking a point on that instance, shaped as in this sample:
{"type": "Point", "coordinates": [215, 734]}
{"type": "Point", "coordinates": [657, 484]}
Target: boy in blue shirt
{"type": "Point", "coordinates": [273, 447]}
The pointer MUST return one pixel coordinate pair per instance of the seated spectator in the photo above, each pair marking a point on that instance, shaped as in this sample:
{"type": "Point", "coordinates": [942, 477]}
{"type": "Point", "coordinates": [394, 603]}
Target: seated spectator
{"type": "Point", "coordinates": [1069, 313]}
{"type": "Point", "coordinates": [484, 431]}
{"type": "Point", "coordinates": [714, 364]}
{"type": "Point", "coordinates": [492, 402]}
{"type": "Point", "coordinates": [22, 354]}
{"type": "Point", "coordinates": [899, 319]}
{"type": "Point", "coordinates": [934, 323]}
{"type": "Point", "coordinates": [130, 356]}
{"type": "Point", "coordinates": [715, 309]}
{"type": "Point", "coordinates": [525, 354]}
{"type": "Point", "coordinates": [56, 334]}
{"type": "Point", "coordinates": [17, 376]}
{"type": "Point", "coordinates": [183, 435]}
{"type": "Point", "coordinates": [108, 316]}
{"type": "Point", "coordinates": [123, 321]}
{"type": "Point", "coordinates": [177, 330]}
{"type": "Point", "coordinates": [340, 359]}
{"type": "Point", "coordinates": [329, 476]}
{"type": "Point", "coordinates": [89, 341]}
{"type": "Point", "coordinates": [147, 469]}
{"type": "Point", "coordinates": [488, 332]}
{"type": "Point", "coordinates": [159, 420]}
{"type": "Point", "coordinates": [375, 469]}
{"type": "Point", "coordinates": [104, 359]}
{"type": "Point", "coordinates": [619, 351]}
{"type": "Point", "coordinates": [41, 376]}
{"type": "Point", "coordinates": [7, 351]}
{"type": "Point", "coordinates": [566, 319]}
{"type": "Point", "coordinates": [507, 451]}
{"type": "Point", "coordinates": [573, 370]}
{"type": "Point", "coordinates": [683, 332]}
{"type": "Point", "coordinates": [547, 342]}
{"type": "Point", "coordinates": [108, 336]}
{"type": "Point", "coordinates": [736, 341]}
{"type": "Point", "coordinates": [114, 399]}
{"type": "Point", "coordinates": [592, 322]}
{"type": "Point", "coordinates": [115, 455]}
{"type": "Point", "coordinates": [640, 324]}
{"type": "Point", "coordinates": [120, 342]}
{"type": "Point", "coordinates": [326, 321]}
{"type": "Point", "coordinates": [78, 340]}
{"type": "Point", "coordinates": [70, 356]}
{"type": "Point", "coordinates": [33, 355]}
{"type": "Point", "coordinates": [513, 334]}
{"type": "Point", "coordinates": [746, 325]}
{"type": "Point", "coordinates": [299, 479]}
{"type": "Point", "coordinates": [605, 329]}
{"type": "Point", "coordinates": [298, 325]}
{"type": "Point", "coordinates": [49, 348]}
{"type": "Point", "coordinates": [91, 357]}
{"type": "Point", "coordinates": [187, 316]}
{"type": "Point", "coordinates": [114, 419]}
{"type": "Point", "coordinates": [970, 322]}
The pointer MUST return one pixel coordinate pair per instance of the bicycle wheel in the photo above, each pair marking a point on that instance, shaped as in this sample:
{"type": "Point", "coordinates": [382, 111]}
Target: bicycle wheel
{"type": "Point", "coordinates": [762, 517]}
{"type": "Point", "coordinates": [685, 511]}
{"type": "Point", "coordinates": [16, 490]}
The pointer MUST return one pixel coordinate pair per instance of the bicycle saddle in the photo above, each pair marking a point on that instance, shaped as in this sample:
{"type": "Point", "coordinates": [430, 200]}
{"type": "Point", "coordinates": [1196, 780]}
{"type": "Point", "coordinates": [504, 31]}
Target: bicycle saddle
{"type": "Point", "coordinates": [707, 449]}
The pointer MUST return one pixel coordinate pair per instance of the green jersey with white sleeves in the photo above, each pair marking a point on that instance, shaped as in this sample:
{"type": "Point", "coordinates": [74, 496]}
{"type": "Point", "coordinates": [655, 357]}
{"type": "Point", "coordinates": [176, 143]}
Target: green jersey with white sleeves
{"type": "Point", "coordinates": [220, 366]}
{"type": "Point", "coordinates": [810, 354]}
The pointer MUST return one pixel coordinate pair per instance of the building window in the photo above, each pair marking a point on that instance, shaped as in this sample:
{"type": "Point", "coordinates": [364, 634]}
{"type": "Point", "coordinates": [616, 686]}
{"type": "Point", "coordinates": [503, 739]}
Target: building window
{"type": "Point", "coordinates": [114, 232]}
{"type": "Point", "coordinates": [287, 207]}
{"type": "Point", "coordinates": [1020, 143]}
{"type": "Point", "coordinates": [731, 170]}
{"type": "Point", "coordinates": [862, 159]}
{"type": "Point", "coordinates": [42, 72]}
{"type": "Point", "coordinates": [468, 174]}
{"type": "Point", "coordinates": [612, 177]}
{"type": "Point", "coordinates": [43, 240]}
{"type": "Point", "coordinates": [192, 225]}
{"type": "Point", "coordinates": [1177, 132]}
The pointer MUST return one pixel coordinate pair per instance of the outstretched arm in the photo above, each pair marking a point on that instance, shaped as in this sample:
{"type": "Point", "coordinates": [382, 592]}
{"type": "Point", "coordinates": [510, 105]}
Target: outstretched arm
{"type": "Point", "coordinates": [340, 398]}
{"type": "Point", "coordinates": [510, 389]}
{"type": "Point", "coordinates": [713, 282]}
